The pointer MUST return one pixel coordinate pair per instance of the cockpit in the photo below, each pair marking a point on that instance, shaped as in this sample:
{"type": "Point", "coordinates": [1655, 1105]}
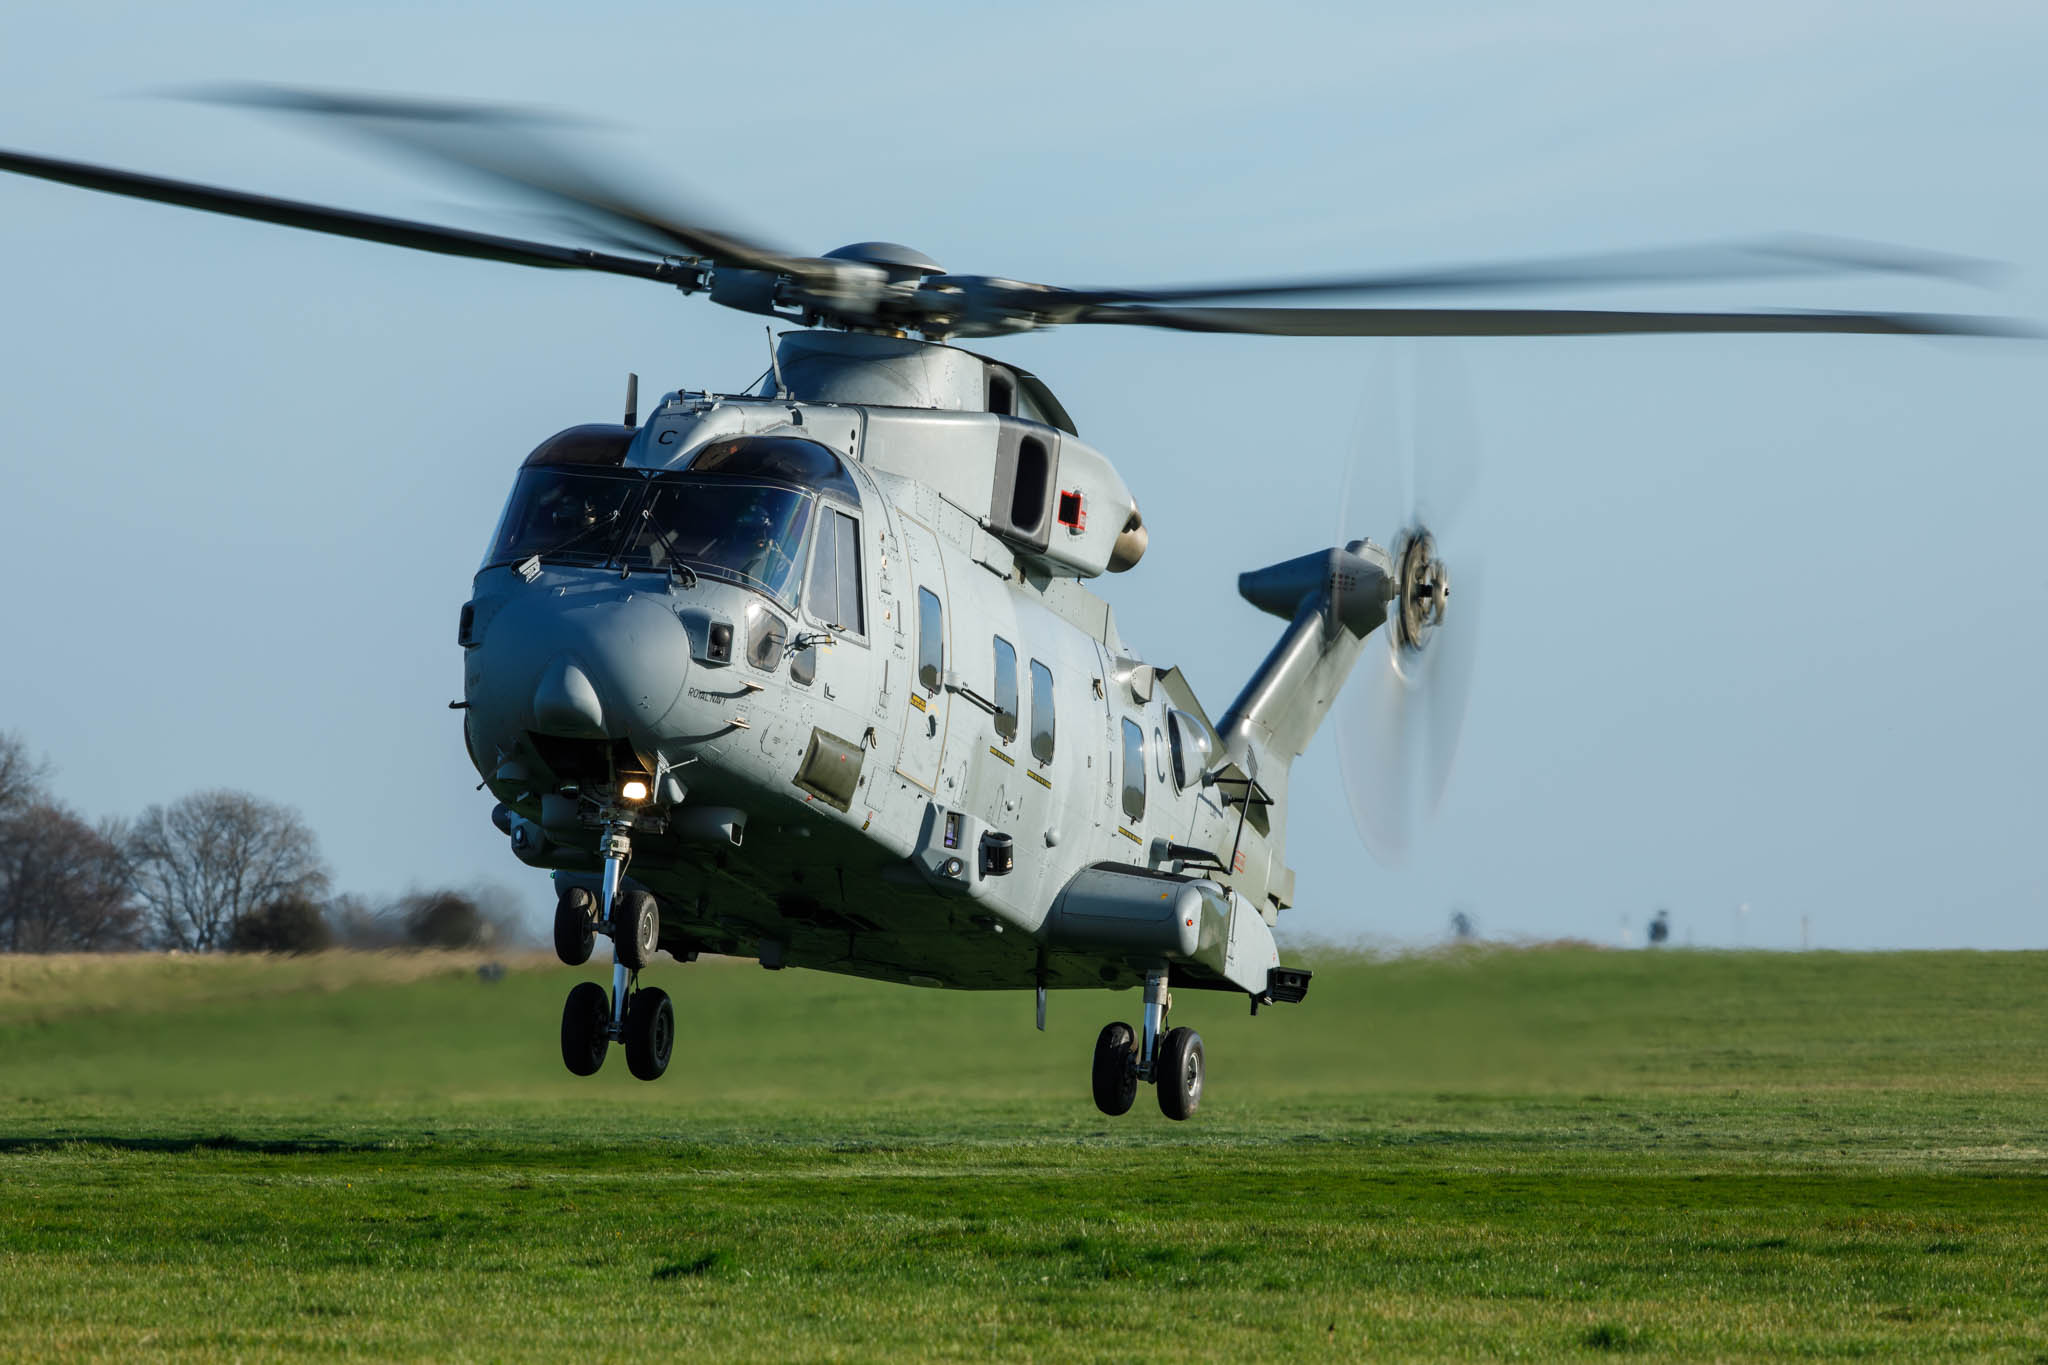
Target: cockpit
{"type": "Point", "coordinates": [741, 510]}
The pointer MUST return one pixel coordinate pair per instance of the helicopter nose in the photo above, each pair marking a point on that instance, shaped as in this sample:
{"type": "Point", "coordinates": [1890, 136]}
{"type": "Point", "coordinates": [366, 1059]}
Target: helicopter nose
{"type": "Point", "coordinates": [585, 665]}
{"type": "Point", "coordinates": [566, 704]}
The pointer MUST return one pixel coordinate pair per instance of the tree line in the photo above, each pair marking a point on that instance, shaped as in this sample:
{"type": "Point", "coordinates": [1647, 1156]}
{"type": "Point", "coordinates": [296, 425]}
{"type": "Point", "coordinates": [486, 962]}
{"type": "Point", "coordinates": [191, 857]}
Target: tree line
{"type": "Point", "coordinates": [218, 870]}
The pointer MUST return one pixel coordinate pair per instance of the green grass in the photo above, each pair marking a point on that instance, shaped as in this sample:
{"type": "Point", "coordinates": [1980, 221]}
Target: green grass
{"type": "Point", "coordinates": [1559, 1153]}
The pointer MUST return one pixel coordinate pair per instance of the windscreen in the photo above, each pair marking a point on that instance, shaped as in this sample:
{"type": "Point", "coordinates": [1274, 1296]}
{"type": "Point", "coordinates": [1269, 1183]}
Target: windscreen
{"type": "Point", "coordinates": [564, 514]}
{"type": "Point", "coordinates": [748, 533]}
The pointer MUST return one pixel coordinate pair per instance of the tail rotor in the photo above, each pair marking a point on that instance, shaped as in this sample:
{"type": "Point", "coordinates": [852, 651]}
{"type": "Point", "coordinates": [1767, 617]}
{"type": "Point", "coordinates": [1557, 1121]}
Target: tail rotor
{"type": "Point", "coordinates": [1399, 721]}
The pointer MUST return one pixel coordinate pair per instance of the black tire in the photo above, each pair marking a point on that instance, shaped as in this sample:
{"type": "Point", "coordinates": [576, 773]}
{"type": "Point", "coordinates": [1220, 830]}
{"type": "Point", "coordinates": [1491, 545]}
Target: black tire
{"type": "Point", "coordinates": [650, 1033]}
{"type": "Point", "coordinates": [637, 933]}
{"type": "Point", "coordinates": [1179, 1072]}
{"type": "Point", "coordinates": [1116, 1069]}
{"type": "Point", "coordinates": [575, 934]}
{"type": "Point", "coordinates": [586, 1028]}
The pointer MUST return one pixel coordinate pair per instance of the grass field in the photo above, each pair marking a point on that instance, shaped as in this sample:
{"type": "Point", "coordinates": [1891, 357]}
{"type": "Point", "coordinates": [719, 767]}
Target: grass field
{"type": "Point", "coordinates": [1530, 1153]}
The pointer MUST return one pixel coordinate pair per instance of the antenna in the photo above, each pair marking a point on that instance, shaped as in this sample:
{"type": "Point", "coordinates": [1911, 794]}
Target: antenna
{"type": "Point", "coordinates": [632, 399]}
{"type": "Point", "coordinates": [775, 364]}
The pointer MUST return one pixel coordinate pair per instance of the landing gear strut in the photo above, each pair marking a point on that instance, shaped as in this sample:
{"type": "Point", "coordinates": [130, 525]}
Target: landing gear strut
{"type": "Point", "coordinates": [591, 1021]}
{"type": "Point", "coordinates": [1170, 1059]}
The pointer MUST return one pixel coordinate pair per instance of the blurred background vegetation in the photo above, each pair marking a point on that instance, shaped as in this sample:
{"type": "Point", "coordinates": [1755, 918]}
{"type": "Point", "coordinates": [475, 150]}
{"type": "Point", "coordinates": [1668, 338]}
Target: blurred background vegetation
{"type": "Point", "coordinates": [212, 870]}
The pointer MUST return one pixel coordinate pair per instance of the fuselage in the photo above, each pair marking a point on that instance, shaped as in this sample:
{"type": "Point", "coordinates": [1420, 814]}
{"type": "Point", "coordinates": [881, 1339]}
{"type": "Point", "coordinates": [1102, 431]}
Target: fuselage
{"type": "Point", "coordinates": [881, 737]}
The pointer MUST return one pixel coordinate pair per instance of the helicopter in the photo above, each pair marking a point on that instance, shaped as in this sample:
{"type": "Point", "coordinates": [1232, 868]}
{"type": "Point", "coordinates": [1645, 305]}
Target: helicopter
{"type": "Point", "coordinates": [812, 673]}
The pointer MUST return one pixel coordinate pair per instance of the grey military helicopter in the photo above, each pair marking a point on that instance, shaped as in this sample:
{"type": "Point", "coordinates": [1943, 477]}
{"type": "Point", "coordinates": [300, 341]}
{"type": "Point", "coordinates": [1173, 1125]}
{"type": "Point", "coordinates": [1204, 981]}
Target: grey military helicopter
{"type": "Point", "coordinates": [813, 673]}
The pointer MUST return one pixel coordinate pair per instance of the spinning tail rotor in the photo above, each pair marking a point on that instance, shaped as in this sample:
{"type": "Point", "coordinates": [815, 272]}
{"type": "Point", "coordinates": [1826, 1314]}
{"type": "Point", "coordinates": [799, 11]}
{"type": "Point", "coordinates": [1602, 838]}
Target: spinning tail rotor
{"type": "Point", "coordinates": [1399, 720]}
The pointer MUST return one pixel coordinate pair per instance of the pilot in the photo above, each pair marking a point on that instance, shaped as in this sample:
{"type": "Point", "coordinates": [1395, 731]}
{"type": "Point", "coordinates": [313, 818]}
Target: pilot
{"type": "Point", "coordinates": [571, 513]}
{"type": "Point", "coordinates": [759, 546]}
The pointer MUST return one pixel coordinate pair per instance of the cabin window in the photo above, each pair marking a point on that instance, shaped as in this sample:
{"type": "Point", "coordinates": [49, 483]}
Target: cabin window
{"type": "Point", "coordinates": [1041, 712]}
{"type": "Point", "coordinates": [803, 666]}
{"type": "Point", "coordinates": [1006, 689]}
{"type": "Point", "coordinates": [1134, 769]}
{"type": "Point", "coordinates": [834, 594]}
{"type": "Point", "coordinates": [931, 636]}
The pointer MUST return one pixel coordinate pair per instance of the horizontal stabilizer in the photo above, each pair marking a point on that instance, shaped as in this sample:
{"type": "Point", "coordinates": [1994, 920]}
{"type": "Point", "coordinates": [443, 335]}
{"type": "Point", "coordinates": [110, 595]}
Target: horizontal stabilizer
{"type": "Point", "coordinates": [1352, 585]}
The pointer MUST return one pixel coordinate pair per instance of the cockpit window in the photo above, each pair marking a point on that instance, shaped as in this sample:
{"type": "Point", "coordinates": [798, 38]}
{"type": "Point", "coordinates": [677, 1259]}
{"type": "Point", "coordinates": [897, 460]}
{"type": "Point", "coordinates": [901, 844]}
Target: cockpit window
{"type": "Point", "coordinates": [572, 516]}
{"type": "Point", "coordinates": [783, 459]}
{"type": "Point", "coordinates": [595, 444]}
{"type": "Point", "coordinates": [748, 533]}
{"type": "Point", "coordinates": [741, 510]}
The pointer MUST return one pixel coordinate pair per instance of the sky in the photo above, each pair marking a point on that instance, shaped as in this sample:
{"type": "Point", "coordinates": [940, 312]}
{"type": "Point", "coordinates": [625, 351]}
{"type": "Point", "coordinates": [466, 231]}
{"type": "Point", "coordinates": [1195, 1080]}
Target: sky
{"type": "Point", "coordinates": [1762, 637]}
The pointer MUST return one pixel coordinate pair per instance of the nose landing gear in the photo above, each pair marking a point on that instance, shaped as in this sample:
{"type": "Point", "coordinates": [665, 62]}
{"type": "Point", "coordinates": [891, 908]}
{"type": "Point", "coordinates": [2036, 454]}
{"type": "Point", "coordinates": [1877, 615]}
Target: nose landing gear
{"type": "Point", "coordinates": [1171, 1060]}
{"type": "Point", "coordinates": [592, 1021]}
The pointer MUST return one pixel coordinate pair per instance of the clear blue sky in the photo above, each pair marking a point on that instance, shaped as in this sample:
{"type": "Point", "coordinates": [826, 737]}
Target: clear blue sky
{"type": "Point", "coordinates": [1764, 621]}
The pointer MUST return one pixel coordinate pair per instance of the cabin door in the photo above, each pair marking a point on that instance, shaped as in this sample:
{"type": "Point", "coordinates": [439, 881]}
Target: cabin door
{"type": "Point", "coordinates": [925, 607]}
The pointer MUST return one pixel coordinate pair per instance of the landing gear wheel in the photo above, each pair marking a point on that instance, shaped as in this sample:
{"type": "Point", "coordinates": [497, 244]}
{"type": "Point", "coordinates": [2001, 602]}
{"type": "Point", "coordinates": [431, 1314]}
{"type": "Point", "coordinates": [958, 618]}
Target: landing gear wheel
{"type": "Point", "coordinates": [586, 1028]}
{"type": "Point", "coordinates": [574, 931]}
{"type": "Point", "coordinates": [1116, 1069]}
{"type": "Point", "coordinates": [650, 1033]}
{"type": "Point", "coordinates": [1179, 1072]}
{"type": "Point", "coordinates": [637, 930]}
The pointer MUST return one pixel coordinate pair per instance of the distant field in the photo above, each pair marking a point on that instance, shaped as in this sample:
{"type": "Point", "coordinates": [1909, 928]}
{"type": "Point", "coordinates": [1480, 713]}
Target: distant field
{"type": "Point", "coordinates": [1538, 1153]}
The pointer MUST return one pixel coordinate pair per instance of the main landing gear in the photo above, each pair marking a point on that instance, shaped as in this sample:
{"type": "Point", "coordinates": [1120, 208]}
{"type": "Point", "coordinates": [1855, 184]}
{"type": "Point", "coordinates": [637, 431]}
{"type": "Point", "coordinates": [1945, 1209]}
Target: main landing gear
{"type": "Point", "coordinates": [592, 1021]}
{"type": "Point", "coordinates": [1170, 1059]}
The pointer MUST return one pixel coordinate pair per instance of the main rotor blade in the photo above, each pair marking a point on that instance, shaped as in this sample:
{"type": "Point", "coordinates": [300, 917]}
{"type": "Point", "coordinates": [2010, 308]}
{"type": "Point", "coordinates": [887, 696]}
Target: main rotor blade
{"type": "Point", "coordinates": [1530, 322]}
{"type": "Point", "coordinates": [368, 227]}
{"type": "Point", "coordinates": [505, 145]}
{"type": "Point", "coordinates": [1771, 258]}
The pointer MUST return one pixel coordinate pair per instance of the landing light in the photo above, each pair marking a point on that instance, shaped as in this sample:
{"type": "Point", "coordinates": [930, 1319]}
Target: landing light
{"type": "Point", "coordinates": [633, 789]}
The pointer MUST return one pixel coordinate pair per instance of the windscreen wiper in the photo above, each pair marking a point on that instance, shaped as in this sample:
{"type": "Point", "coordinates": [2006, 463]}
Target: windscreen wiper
{"type": "Point", "coordinates": [666, 538]}
{"type": "Point", "coordinates": [529, 567]}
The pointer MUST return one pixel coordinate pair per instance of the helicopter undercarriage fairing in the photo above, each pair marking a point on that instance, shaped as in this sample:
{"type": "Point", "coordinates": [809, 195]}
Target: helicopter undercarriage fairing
{"type": "Point", "coordinates": [810, 674]}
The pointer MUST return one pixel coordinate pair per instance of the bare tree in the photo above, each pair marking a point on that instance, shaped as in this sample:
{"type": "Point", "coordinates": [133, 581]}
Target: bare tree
{"type": "Point", "coordinates": [21, 774]}
{"type": "Point", "coordinates": [204, 861]}
{"type": "Point", "coordinates": [64, 884]}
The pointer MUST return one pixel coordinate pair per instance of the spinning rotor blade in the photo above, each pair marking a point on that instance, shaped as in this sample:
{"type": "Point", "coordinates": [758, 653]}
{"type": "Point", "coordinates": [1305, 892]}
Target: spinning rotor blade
{"type": "Point", "coordinates": [507, 146]}
{"type": "Point", "coordinates": [1531, 322]}
{"type": "Point", "coordinates": [884, 287]}
{"type": "Point", "coordinates": [368, 227]}
{"type": "Point", "coordinates": [1400, 718]}
{"type": "Point", "coordinates": [1773, 258]}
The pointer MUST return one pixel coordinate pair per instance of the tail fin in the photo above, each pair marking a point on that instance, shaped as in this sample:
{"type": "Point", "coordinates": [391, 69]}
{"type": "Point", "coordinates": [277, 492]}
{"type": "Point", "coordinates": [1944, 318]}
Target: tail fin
{"type": "Point", "coordinates": [1331, 601]}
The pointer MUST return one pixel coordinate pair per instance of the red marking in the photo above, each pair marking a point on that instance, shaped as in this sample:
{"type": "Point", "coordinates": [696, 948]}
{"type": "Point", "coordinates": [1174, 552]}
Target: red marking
{"type": "Point", "coordinates": [1237, 862]}
{"type": "Point", "coordinates": [1071, 512]}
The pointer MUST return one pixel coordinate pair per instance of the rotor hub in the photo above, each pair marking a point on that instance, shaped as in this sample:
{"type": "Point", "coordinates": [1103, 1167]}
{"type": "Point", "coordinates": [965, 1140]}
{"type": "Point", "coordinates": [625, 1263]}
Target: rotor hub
{"type": "Point", "coordinates": [1423, 588]}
